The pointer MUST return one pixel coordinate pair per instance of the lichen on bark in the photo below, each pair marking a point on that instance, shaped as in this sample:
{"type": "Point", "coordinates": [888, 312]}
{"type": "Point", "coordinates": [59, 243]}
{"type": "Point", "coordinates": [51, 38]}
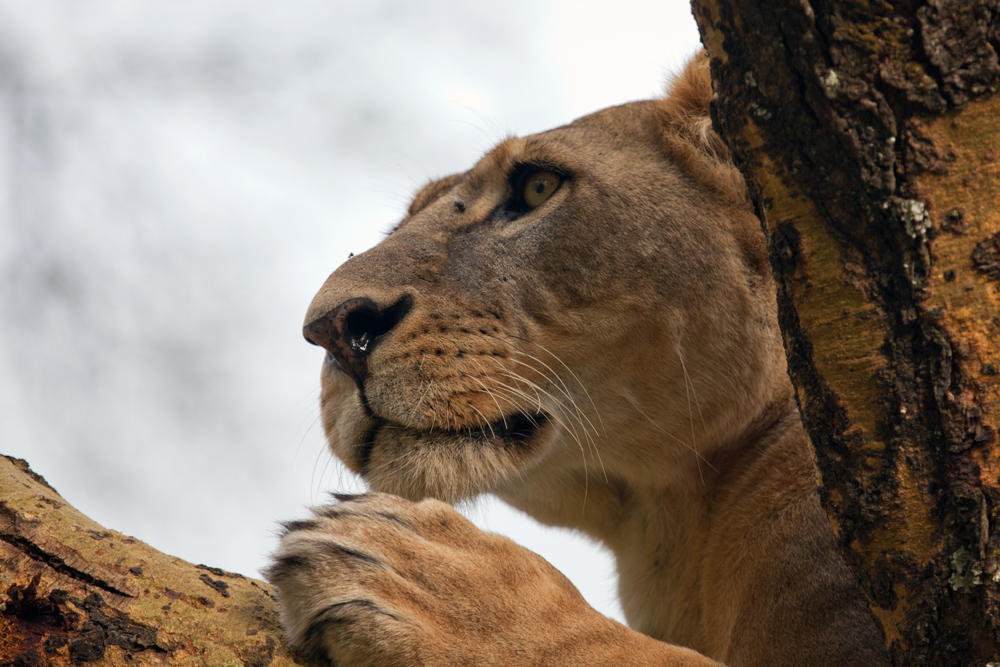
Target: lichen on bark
{"type": "Point", "coordinates": [867, 132]}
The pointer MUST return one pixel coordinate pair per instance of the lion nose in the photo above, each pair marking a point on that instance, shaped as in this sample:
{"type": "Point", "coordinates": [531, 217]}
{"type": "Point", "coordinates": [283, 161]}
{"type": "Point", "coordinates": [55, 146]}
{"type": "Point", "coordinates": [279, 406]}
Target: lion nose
{"type": "Point", "coordinates": [351, 331]}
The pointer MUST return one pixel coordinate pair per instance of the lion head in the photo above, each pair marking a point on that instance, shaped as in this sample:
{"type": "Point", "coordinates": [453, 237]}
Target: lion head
{"type": "Point", "coordinates": [585, 305]}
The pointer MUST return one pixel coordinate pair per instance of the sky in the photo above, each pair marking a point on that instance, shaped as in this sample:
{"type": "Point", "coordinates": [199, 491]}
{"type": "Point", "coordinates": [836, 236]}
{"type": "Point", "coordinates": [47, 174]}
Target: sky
{"type": "Point", "coordinates": [178, 179]}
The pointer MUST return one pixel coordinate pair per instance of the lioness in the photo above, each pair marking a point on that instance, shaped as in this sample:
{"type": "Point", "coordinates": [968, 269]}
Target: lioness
{"type": "Point", "coordinates": [583, 323]}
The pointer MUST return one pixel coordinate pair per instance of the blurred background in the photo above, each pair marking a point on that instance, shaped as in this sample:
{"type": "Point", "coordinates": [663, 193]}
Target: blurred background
{"type": "Point", "coordinates": [178, 178]}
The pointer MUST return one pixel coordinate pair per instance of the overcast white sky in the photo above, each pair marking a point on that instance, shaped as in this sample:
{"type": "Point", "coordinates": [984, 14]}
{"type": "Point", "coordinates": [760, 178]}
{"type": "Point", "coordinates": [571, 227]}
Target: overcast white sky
{"type": "Point", "coordinates": [177, 180]}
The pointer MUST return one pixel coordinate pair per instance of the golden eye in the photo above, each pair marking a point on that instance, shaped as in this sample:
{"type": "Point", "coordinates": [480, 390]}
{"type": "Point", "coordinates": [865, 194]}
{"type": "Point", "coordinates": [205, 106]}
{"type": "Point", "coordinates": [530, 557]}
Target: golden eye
{"type": "Point", "coordinates": [538, 187]}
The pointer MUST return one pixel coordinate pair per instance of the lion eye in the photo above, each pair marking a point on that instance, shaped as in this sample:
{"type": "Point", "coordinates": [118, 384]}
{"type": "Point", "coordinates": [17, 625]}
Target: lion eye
{"type": "Point", "coordinates": [538, 187]}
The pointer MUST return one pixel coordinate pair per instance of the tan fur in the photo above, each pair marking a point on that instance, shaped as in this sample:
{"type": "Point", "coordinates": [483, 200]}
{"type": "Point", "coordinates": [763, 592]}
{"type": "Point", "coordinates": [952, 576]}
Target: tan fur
{"type": "Point", "coordinates": [631, 317]}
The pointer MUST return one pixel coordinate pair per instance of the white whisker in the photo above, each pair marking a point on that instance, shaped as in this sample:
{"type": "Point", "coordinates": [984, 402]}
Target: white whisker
{"type": "Point", "coordinates": [417, 406]}
{"type": "Point", "coordinates": [694, 440]}
{"type": "Point", "coordinates": [488, 392]}
{"type": "Point", "coordinates": [576, 412]}
{"type": "Point", "coordinates": [672, 436]}
{"type": "Point", "coordinates": [485, 421]}
{"type": "Point", "coordinates": [562, 387]}
{"type": "Point", "coordinates": [591, 445]}
{"type": "Point", "coordinates": [687, 379]}
{"type": "Point", "coordinates": [597, 412]}
{"type": "Point", "coordinates": [568, 429]}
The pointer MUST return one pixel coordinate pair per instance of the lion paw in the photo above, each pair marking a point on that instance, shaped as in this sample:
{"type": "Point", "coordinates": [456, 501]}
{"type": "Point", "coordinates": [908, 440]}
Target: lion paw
{"type": "Point", "coordinates": [378, 580]}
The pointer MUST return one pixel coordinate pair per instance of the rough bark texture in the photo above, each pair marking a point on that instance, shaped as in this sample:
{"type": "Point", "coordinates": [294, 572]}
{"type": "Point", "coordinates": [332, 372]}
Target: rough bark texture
{"type": "Point", "coordinates": [73, 593]}
{"type": "Point", "coordinates": [870, 136]}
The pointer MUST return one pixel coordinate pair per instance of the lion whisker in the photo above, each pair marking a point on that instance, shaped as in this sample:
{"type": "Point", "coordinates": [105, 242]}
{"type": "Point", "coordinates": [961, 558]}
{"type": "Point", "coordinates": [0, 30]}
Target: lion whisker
{"type": "Point", "coordinates": [568, 429]}
{"type": "Point", "coordinates": [591, 445]}
{"type": "Point", "coordinates": [555, 356]}
{"type": "Point", "coordinates": [487, 390]}
{"type": "Point", "coordinates": [697, 454]}
{"type": "Point", "coordinates": [694, 440]}
{"type": "Point", "coordinates": [578, 415]}
{"type": "Point", "coordinates": [482, 417]}
{"type": "Point", "coordinates": [688, 381]}
{"type": "Point", "coordinates": [569, 397]}
{"type": "Point", "coordinates": [562, 387]}
{"type": "Point", "coordinates": [417, 406]}
{"type": "Point", "coordinates": [308, 429]}
{"type": "Point", "coordinates": [322, 472]}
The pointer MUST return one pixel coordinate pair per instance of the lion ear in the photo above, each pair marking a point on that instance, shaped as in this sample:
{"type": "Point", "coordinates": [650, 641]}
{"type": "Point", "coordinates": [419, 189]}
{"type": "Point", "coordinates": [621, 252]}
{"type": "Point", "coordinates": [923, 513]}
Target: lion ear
{"type": "Point", "coordinates": [685, 121]}
{"type": "Point", "coordinates": [431, 192]}
{"type": "Point", "coordinates": [684, 111]}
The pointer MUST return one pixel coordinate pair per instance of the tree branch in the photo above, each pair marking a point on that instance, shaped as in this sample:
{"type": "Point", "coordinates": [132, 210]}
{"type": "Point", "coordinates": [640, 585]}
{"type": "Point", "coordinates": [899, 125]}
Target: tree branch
{"type": "Point", "coordinates": [73, 592]}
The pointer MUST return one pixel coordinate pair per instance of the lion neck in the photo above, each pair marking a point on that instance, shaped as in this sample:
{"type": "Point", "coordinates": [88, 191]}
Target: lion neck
{"type": "Point", "coordinates": [675, 543]}
{"type": "Point", "coordinates": [671, 542]}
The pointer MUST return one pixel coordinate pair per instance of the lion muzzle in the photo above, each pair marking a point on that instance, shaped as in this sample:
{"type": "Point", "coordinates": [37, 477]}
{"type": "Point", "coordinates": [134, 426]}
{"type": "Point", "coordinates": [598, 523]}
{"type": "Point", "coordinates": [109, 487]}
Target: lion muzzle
{"type": "Point", "coordinates": [350, 331]}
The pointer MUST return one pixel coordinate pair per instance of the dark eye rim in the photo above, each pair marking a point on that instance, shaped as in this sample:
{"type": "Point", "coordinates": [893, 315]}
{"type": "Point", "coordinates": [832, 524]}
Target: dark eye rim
{"type": "Point", "coordinates": [518, 178]}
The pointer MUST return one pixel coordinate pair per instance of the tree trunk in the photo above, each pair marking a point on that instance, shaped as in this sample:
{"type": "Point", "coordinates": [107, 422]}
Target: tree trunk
{"type": "Point", "coordinates": [72, 592]}
{"type": "Point", "coordinates": [870, 136]}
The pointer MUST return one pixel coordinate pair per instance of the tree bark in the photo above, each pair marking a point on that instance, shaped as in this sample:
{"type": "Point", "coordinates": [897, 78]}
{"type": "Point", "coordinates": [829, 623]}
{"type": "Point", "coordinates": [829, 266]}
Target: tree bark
{"type": "Point", "coordinates": [869, 134]}
{"type": "Point", "coordinates": [72, 593]}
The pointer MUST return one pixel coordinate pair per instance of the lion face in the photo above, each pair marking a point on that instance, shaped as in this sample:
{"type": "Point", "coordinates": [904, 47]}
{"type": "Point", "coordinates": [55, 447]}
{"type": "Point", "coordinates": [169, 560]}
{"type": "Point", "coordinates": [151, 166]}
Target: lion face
{"type": "Point", "coordinates": [580, 305]}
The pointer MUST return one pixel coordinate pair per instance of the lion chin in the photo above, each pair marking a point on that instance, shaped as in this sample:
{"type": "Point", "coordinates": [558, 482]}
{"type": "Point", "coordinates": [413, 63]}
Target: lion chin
{"type": "Point", "coordinates": [453, 465]}
{"type": "Point", "coordinates": [583, 323]}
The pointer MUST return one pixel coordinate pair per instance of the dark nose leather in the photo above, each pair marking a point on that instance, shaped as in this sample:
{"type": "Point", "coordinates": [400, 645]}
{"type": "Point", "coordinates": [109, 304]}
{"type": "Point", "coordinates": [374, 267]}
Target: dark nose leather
{"type": "Point", "coordinates": [351, 331]}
